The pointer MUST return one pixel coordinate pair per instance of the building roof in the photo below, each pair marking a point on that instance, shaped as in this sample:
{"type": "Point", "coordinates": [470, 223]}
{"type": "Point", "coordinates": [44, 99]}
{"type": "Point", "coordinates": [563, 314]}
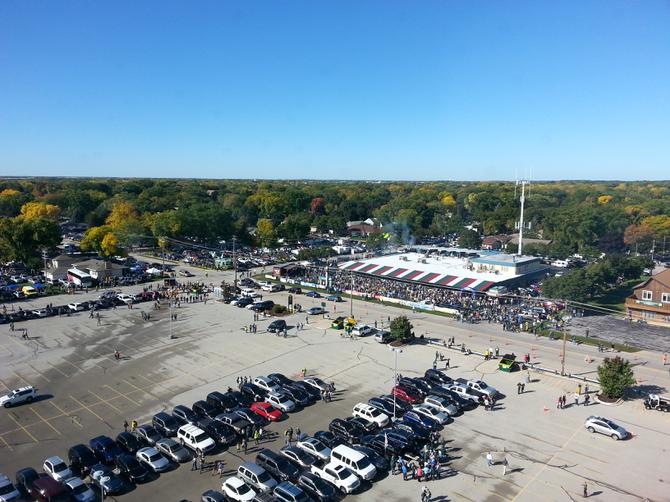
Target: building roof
{"type": "Point", "coordinates": [505, 259]}
{"type": "Point", "coordinates": [662, 277]}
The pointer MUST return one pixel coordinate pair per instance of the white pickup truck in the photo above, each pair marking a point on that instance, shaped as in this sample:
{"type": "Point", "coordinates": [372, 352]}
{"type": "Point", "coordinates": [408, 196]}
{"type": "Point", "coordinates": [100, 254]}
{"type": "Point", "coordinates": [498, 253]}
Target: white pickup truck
{"type": "Point", "coordinates": [343, 478]}
{"type": "Point", "coordinates": [479, 386]}
{"type": "Point", "coordinates": [466, 392]}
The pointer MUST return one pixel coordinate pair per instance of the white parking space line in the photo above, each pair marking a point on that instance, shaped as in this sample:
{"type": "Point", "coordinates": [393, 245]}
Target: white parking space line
{"type": "Point", "coordinates": [6, 443]}
{"type": "Point", "coordinates": [39, 373]}
{"type": "Point", "coordinates": [59, 370]}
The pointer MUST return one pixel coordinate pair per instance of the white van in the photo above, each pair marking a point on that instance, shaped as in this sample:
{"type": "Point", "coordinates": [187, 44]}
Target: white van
{"type": "Point", "coordinates": [250, 292]}
{"type": "Point", "coordinates": [354, 460]}
{"type": "Point", "coordinates": [371, 414]}
{"type": "Point", "coordinates": [195, 438]}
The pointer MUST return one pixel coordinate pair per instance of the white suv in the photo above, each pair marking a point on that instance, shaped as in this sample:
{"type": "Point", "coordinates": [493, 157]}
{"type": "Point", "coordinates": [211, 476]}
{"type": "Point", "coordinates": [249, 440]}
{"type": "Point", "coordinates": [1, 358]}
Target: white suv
{"type": "Point", "coordinates": [18, 396]}
{"type": "Point", "coordinates": [195, 438]}
{"type": "Point", "coordinates": [280, 401]}
{"type": "Point", "coordinates": [7, 489]}
{"type": "Point", "coordinates": [371, 414]}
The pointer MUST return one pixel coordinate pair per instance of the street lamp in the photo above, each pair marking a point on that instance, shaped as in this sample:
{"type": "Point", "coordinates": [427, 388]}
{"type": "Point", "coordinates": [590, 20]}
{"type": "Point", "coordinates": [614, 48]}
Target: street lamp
{"type": "Point", "coordinates": [351, 296]}
{"type": "Point", "coordinates": [395, 375]}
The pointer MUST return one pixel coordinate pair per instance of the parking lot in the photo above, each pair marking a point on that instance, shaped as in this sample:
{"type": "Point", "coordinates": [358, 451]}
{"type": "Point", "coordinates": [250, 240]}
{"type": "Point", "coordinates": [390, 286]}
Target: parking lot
{"type": "Point", "coordinates": [85, 392]}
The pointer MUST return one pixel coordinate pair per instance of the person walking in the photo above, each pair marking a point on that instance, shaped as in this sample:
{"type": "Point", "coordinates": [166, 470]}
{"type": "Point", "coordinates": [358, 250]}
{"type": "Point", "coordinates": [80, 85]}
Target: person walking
{"type": "Point", "coordinates": [489, 459]}
{"type": "Point", "coordinates": [245, 444]}
{"type": "Point", "coordinates": [587, 398]}
{"type": "Point", "coordinates": [403, 468]}
{"type": "Point", "coordinates": [576, 399]}
{"type": "Point", "coordinates": [585, 492]}
{"type": "Point", "coordinates": [579, 389]}
{"type": "Point", "coordinates": [257, 437]}
{"type": "Point", "coordinates": [505, 464]}
{"type": "Point", "coordinates": [194, 464]}
{"type": "Point", "coordinates": [125, 426]}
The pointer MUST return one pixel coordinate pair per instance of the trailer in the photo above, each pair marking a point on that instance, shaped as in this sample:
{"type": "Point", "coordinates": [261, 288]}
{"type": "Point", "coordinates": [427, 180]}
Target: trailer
{"type": "Point", "coordinates": [656, 402]}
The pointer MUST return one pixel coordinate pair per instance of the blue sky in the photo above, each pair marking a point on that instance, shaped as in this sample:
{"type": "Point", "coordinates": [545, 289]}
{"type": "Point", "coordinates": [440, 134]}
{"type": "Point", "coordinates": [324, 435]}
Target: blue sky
{"type": "Point", "coordinates": [351, 89]}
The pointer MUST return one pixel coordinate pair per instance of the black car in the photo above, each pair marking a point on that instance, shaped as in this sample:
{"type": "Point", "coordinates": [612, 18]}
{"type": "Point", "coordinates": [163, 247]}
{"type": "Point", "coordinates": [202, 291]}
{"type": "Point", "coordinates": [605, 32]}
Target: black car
{"type": "Point", "coordinates": [25, 479]}
{"type": "Point", "coordinates": [239, 399]}
{"type": "Point", "coordinates": [253, 391]}
{"type": "Point", "coordinates": [81, 459]}
{"type": "Point", "coordinates": [423, 384]}
{"type": "Point", "coordinates": [276, 326]}
{"type": "Point", "coordinates": [368, 427]}
{"type": "Point", "coordinates": [184, 415]}
{"type": "Point", "coordinates": [312, 391]}
{"type": "Point", "coordinates": [349, 431]}
{"type": "Point", "coordinates": [249, 415]}
{"type": "Point", "coordinates": [385, 406]}
{"type": "Point", "coordinates": [297, 395]}
{"type": "Point", "coordinates": [461, 402]}
{"type": "Point", "coordinates": [223, 402]}
{"type": "Point", "coordinates": [205, 410]}
{"type": "Point", "coordinates": [221, 433]}
{"type": "Point", "coordinates": [277, 465]}
{"type": "Point", "coordinates": [406, 440]}
{"type": "Point", "coordinates": [386, 444]}
{"type": "Point", "coordinates": [421, 434]}
{"type": "Point", "coordinates": [129, 442]}
{"type": "Point", "coordinates": [437, 376]}
{"type": "Point", "coordinates": [381, 463]}
{"type": "Point", "coordinates": [398, 403]}
{"type": "Point", "coordinates": [263, 305]}
{"type": "Point", "coordinates": [279, 378]}
{"type": "Point", "coordinates": [131, 468]}
{"type": "Point", "coordinates": [294, 291]}
{"type": "Point", "coordinates": [317, 488]}
{"type": "Point", "coordinates": [329, 439]}
{"type": "Point", "coordinates": [166, 424]}
{"type": "Point", "coordinates": [409, 386]}
{"type": "Point", "coordinates": [243, 302]}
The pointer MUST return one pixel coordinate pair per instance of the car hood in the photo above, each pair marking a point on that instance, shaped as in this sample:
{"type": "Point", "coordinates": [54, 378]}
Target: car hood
{"type": "Point", "coordinates": [4, 399]}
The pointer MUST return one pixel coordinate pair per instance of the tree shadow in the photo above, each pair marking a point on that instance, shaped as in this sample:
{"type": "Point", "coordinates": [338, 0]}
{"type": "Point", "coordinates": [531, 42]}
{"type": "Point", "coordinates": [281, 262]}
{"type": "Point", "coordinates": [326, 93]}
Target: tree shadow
{"type": "Point", "coordinates": [642, 391]}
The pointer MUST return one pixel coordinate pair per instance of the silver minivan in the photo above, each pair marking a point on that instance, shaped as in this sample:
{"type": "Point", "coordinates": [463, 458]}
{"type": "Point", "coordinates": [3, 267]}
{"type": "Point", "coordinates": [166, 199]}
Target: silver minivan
{"type": "Point", "coordinates": [254, 475]}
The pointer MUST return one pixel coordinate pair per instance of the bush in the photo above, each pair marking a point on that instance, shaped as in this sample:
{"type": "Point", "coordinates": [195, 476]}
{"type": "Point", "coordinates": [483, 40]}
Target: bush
{"type": "Point", "coordinates": [615, 376]}
{"type": "Point", "coordinates": [401, 329]}
{"type": "Point", "coordinates": [279, 309]}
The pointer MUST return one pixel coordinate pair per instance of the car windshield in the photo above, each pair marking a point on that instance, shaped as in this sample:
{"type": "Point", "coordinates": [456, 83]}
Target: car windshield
{"type": "Point", "coordinates": [80, 489]}
{"type": "Point", "coordinates": [270, 409]}
{"type": "Point", "coordinates": [155, 457]}
{"type": "Point", "coordinates": [611, 425]}
{"type": "Point", "coordinates": [242, 489]}
{"type": "Point", "coordinates": [201, 437]}
{"type": "Point", "coordinates": [375, 412]}
{"type": "Point", "coordinates": [8, 488]}
{"type": "Point", "coordinates": [60, 467]}
{"type": "Point", "coordinates": [343, 474]}
{"type": "Point", "coordinates": [264, 477]}
{"type": "Point", "coordinates": [175, 447]}
{"type": "Point", "coordinates": [482, 385]}
{"type": "Point", "coordinates": [363, 463]}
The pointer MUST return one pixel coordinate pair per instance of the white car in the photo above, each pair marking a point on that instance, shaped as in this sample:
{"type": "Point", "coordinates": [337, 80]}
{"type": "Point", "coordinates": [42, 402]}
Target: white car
{"type": "Point", "coordinates": [40, 312]}
{"type": "Point", "coordinates": [281, 401]}
{"type": "Point", "coordinates": [431, 412]}
{"type": "Point", "coordinates": [266, 384]}
{"type": "Point", "coordinates": [75, 307]}
{"type": "Point", "coordinates": [364, 330]}
{"type": "Point", "coordinates": [317, 383]}
{"type": "Point", "coordinates": [314, 447]}
{"type": "Point", "coordinates": [441, 404]}
{"type": "Point", "coordinates": [236, 489]}
{"type": "Point", "coordinates": [266, 286]}
{"type": "Point", "coordinates": [7, 490]}
{"type": "Point", "coordinates": [195, 438]}
{"type": "Point", "coordinates": [57, 469]}
{"type": "Point", "coordinates": [343, 478]}
{"type": "Point", "coordinates": [18, 396]}
{"type": "Point", "coordinates": [371, 414]}
{"type": "Point", "coordinates": [605, 426]}
{"type": "Point", "coordinates": [153, 459]}
{"type": "Point", "coordinates": [80, 490]}
{"type": "Point", "coordinates": [127, 299]}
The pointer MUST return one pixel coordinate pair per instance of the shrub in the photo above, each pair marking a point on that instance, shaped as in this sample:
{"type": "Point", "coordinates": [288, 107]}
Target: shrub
{"type": "Point", "coordinates": [616, 376]}
{"type": "Point", "coordinates": [401, 329]}
{"type": "Point", "coordinates": [279, 309]}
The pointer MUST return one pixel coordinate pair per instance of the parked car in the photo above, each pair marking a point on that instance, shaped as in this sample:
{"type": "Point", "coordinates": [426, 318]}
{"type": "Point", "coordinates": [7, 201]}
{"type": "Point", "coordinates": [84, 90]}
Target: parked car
{"type": "Point", "coordinates": [131, 468]}
{"type": "Point", "coordinates": [105, 448]}
{"type": "Point", "coordinates": [256, 477]}
{"type": "Point", "coordinates": [317, 488]}
{"type": "Point", "coordinates": [364, 330]}
{"type": "Point", "coordinates": [267, 411]}
{"type": "Point", "coordinates": [106, 479]}
{"type": "Point", "coordinates": [438, 376]}
{"type": "Point", "coordinates": [313, 294]}
{"type": "Point", "coordinates": [280, 401]}
{"type": "Point", "coordinates": [277, 465]}
{"type": "Point", "coordinates": [56, 468]}
{"type": "Point", "coordinates": [184, 415]}
{"type": "Point", "coordinates": [81, 459]}
{"type": "Point", "coordinates": [383, 336]}
{"type": "Point", "coordinates": [213, 496]}
{"type": "Point", "coordinates": [371, 414]}
{"type": "Point", "coordinates": [329, 439]}
{"type": "Point", "coordinates": [195, 438]}
{"type": "Point", "coordinates": [288, 492]}
{"type": "Point", "coordinates": [605, 426]}
{"type": "Point", "coordinates": [235, 421]}
{"type": "Point", "coordinates": [299, 456]}
{"type": "Point", "coordinates": [317, 383]}
{"type": "Point", "coordinates": [221, 433]}
{"type": "Point", "coordinates": [128, 442]}
{"type": "Point", "coordinates": [348, 431]}
{"type": "Point", "coordinates": [432, 412]}
{"type": "Point", "coordinates": [267, 384]}
{"type": "Point", "coordinates": [297, 395]}
{"type": "Point", "coordinates": [173, 450]}
{"type": "Point", "coordinates": [236, 489]}
{"type": "Point", "coordinates": [147, 434]}
{"type": "Point", "coordinates": [18, 396]}
{"type": "Point", "coordinates": [224, 402]}
{"type": "Point", "coordinates": [316, 311]}
{"type": "Point", "coordinates": [205, 410]}
{"type": "Point", "coordinates": [79, 490]}
{"type": "Point", "coordinates": [277, 326]}
{"type": "Point", "coordinates": [422, 420]}
{"type": "Point", "coordinates": [165, 424]}
{"type": "Point", "coordinates": [47, 489]}
{"type": "Point", "coordinates": [314, 447]}
{"type": "Point", "coordinates": [7, 489]}
{"type": "Point", "coordinates": [406, 395]}
{"type": "Point", "coordinates": [253, 392]}
{"type": "Point", "coordinates": [153, 459]}
{"type": "Point", "coordinates": [253, 418]}
{"type": "Point", "coordinates": [338, 475]}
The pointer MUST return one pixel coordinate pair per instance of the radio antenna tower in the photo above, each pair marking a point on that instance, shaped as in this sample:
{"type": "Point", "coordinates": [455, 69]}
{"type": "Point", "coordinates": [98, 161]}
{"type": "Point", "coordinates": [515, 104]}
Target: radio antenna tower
{"type": "Point", "coordinates": [520, 223]}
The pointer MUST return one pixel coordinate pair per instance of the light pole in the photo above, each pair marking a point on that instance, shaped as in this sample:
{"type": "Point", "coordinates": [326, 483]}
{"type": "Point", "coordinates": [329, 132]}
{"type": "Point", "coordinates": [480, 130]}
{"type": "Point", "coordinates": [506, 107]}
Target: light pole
{"type": "Point", "coordinates": [351, 296]}
{"type": "Point", "coordinates": [395, 375]}
{"type": "Point", "coordinates": [234, 261]}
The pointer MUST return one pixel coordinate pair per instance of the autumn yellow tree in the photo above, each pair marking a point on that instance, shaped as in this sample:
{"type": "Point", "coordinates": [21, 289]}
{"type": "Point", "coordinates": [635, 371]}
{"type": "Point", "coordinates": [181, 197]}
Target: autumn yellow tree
{"type": "Point", "coordinates": [32, 210]}
{"type": "Point", "coordinates": [101, 240]}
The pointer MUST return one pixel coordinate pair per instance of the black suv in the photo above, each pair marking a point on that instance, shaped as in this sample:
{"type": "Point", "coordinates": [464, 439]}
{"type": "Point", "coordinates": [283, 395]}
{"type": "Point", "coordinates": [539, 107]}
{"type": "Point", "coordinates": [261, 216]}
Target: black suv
{"type": "Point", "coordinates": [81, 459]}
{"type": "Point", "coordinates": [205, 410]}
{"type": "Point", "coordinates": [277, 325]}
{"type": "Point", "coordinates": [221, 433]}
{"type": "Point", "coordinates": [129, 442]}
{"type": "Point", "coordinates": [277, 465]}
{"type": "Point", "coordinates": [437, 376]}
{"type": "Point", "coordinates": [184, 415]}
{"type": "Point", "coordinates": [223, 402]}
{"type": "Point", "coordinates": [253, 391]}
{"type": "Point", "coordinates": [166, 424]}
{"type": "Point", "coordinates": [131, 468]}
{"type": "Point", "coordinates": [348, 431]}
{"type": "Point", "coordinates": [239, 399]}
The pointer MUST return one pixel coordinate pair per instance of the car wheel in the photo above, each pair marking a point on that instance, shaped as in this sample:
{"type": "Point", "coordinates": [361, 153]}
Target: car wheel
{"type": "Point", "coordinates": [30, 399]}
{"type": "Point", "coordinates": [615, 437]}
{"type": "Point", "coordinates": [7, 405]}
{"type": "Point", "coordinates": [590, 429]}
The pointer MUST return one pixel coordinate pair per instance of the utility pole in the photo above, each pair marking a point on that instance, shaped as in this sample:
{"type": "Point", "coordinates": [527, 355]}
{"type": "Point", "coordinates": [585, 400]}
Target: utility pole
{"type": "Point", "coordinates": [234, 261]}
{"type": "Point", "coordinates": [523, 201]}
{"type": "Point", "coordinates": [351, 296]}
{"type": "Point", "coordinates": [395, 376]}
{"type": "Point", "coordinates": [45, 255]}
{"type": "Point", "coordinates": [565, 339]}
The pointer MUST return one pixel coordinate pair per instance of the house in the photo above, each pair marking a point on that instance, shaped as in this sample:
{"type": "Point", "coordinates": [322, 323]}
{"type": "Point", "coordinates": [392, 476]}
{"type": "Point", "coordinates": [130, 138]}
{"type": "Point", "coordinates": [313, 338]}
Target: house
{"type": "Point", "coordinates": [650, 300]}
{"type": "Point", "coordinates": [365, 227]}
{"type": "Point", "coordinates": [101, 270]}
{"type": "Point", "coordinates": [57, 267]}
{"type": "Point", "coordinates": [496, 242]}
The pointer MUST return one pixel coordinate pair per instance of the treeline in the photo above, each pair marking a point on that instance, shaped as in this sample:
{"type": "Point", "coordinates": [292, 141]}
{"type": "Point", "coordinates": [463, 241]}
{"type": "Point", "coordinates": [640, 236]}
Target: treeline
{"type": "Point", "coordinates": [584, 217]}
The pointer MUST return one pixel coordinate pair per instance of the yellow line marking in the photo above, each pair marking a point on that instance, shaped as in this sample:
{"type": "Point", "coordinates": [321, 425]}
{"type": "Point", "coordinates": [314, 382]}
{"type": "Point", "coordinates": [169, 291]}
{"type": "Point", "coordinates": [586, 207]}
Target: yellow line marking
{"type": "Point", "coordinates": [6, 444]}
{"type": "Point", "coordinates": [86, 408]}
{"type": "Point", "coordinates": [103, 401]}
{"type": "Point", "coordinates": [21, 378]}
{"type": "Point", "coordinates": [65, 413]}
{"type": "Point", "coordinates": [532, 480]}
{"type": "Point", "coordinates": [4, 385]}
{"type": "Point", "coordinates": [59, 370]}
{"type": "Point", "coordinates": [123, 395]}
{"type": "Point", "coordinates": [46, 421]}
{"type": "Point", "coordinates": [23, 428]}
{"type": "Point", "coordinates": [143, 390]}
{"type": "Point", "coordinates": [39, 373]}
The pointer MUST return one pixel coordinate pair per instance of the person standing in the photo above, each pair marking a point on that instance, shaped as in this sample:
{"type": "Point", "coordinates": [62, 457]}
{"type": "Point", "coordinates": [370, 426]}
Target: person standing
{"type": "Point", "coordinates": [125, 426]}
{"type": "Point", "coordinates": [576, 399]}
{"type": "Point", "coordinates": [489, 459]}
{"type": "Point", "coordinates": [505, 464]}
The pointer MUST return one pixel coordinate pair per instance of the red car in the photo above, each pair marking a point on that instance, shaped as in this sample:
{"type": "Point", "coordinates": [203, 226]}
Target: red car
{"type": "Point", "coordinates": [405, 395]}
{"type": "Point", "coordinates": [266, 410]}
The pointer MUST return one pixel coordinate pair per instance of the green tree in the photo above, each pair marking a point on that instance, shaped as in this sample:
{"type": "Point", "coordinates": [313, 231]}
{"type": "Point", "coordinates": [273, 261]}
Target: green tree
{"type": "Point", "coordinates": [295, 227]}
{"type": "Point", "coordinates": [469, 239]}
{"type": "Point", "coordinates": [21, 239]}
{"type": "Point", "coordinates": [265, 233]}
{"type": "Point", "coordinates": [401, 329]}
{"type": "Point", "coordinates": [615, 375]}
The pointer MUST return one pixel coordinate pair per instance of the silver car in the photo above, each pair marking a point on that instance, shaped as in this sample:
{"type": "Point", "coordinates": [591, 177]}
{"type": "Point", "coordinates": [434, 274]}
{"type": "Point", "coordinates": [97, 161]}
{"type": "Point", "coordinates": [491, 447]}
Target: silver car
{"type": "Point", "coordinates": [173, 450]}
{"type": "Point", "coordinates": [152, 458]}
{"type": "Point", "coordinates": [80, 491]}
{"type": "Point", "coordinates": [605, 426]}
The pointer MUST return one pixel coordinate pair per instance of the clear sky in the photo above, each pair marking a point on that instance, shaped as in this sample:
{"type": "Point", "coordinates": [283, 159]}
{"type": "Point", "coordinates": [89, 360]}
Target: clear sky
{"type": "Point", "coordinates": [355, 89]}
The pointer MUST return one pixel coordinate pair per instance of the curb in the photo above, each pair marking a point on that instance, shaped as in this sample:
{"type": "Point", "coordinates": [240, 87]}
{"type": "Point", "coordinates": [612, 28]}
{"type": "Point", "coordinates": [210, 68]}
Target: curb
{"type": "Point", "coordinates": [615, 403]}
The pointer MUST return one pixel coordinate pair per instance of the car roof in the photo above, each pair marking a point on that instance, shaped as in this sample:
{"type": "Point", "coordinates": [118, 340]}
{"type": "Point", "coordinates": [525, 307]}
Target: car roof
{"type": "Point", "coordinates": [234, 482]}
{"type": "Point", "coordinates": [54, 459]}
